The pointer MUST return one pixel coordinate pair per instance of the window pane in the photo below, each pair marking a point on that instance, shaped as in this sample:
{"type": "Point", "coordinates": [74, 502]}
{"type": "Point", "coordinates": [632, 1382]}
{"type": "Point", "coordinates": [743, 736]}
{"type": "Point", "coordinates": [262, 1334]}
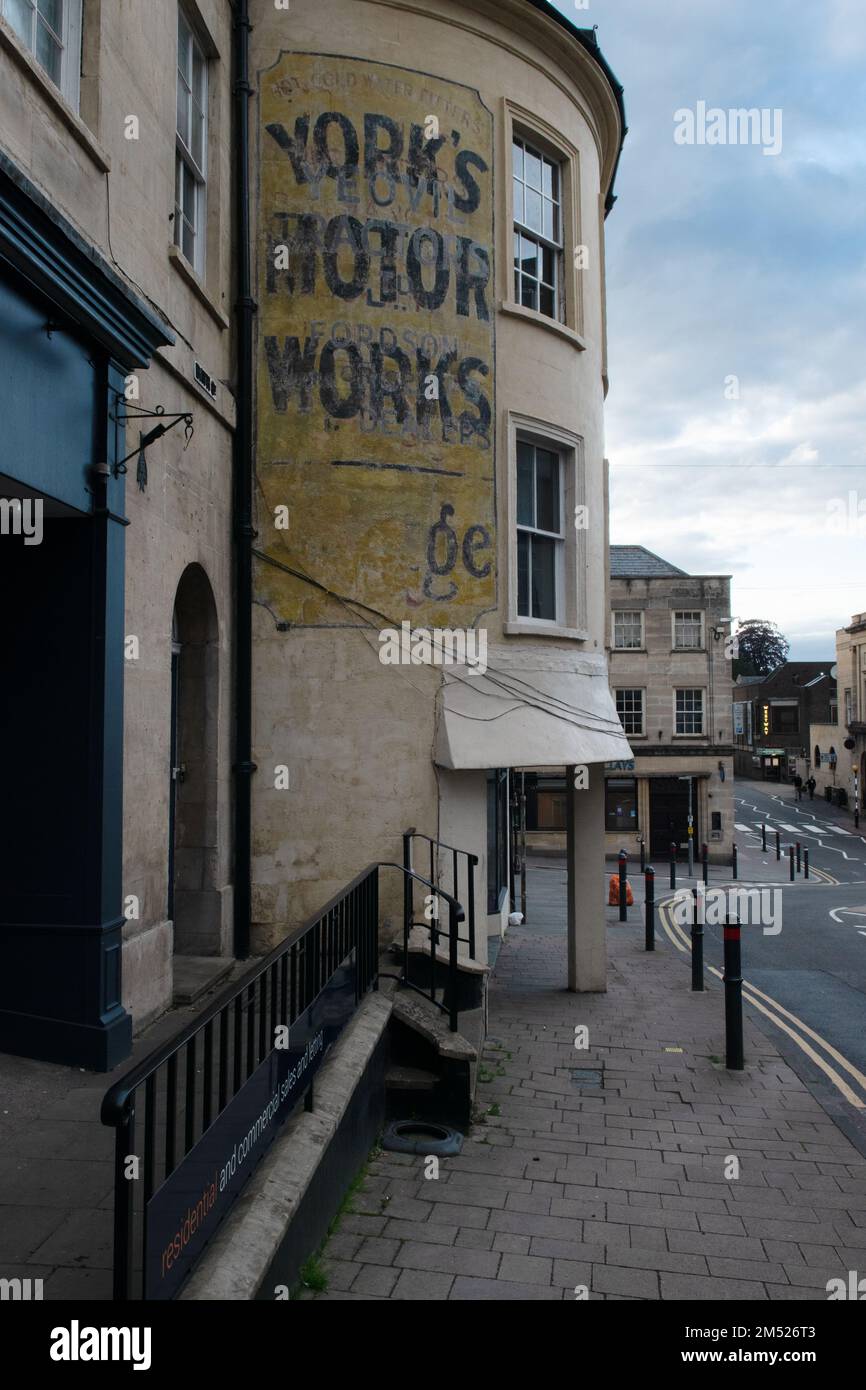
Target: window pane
{"type": "Point", "coordinates": [532, 214]}
{"type": "Point", "coordinates": [189, 195]}
{"type": "Point", "coordinates": [48, 52]}
{"type": "Point", "coordinates": [548, 262]}
{"type": "Point", "coordinates": [547, 174]}
{"type": "Point", "coordinates": [183, 112]}
{"type": "Point", "coordinates": [518, 201]}
{"type": "Point", "coordinates": [548, 225]}
{"type": "Point", "coordinates": [20, 16]}
{"type": "Point", "coordinates": [188, 246]}
{"type": "Point", "coordinates": [547, 490]}
{"type": "Point", "coordinates": [52, 12]}
{"type": "Point", "coordinates": [529, 257]}
{"type": "Point", "coordinates": [525, 491]}
{"type": "Point", "coordinates": [198, 74]}
{"type": "Point", "coordinates": [197, 142]}
{"type": "Point", "coordinates": [184, 37]}
{"type": "Point", "coordinates": [546, 302]}
{"type": "Point", "coordinates": [543, 577]}
{"type": "Point", "coordinates": [517, 159]}
{"type": "Point", "coordinates": [529, 294]}
{"type": "Point", "coordinates": [522, 575]}
{"type": "Point", "coordinates": [533, 170]}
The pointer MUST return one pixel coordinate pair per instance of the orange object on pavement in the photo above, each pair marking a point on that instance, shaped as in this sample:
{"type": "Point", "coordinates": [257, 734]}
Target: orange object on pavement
{"type": "Point", "coordinates": [613, 895]}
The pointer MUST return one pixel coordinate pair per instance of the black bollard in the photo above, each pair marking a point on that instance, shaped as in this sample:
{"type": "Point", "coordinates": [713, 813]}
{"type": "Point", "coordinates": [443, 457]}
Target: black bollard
{"type": "Point", "coordinates": [649, 894]}
{"type": "Point", "coordinates": [705, 860]}
{"type": "Point", "coordinates": [805, 863]}
{"type": "Point", "coordinates": [778, 845]}
{"type": "Point", "coordinates": [799, 865]}
{"type": "Point", "coordinates": [763, 837]}
{"type": "Point", "coordinates": [733, 997]}
{"type": "Point", "coordinates": [673, 865]}
{"type": "Point", "coordinates": [623, 861]}
{"type": "Point", "coordinates": [643, 855]}
{"type": "Point", "coordinates": [697, 943]}
{"type": "Point", "coordinates": [791, 860]}
{"type": "Point", "coordinates": [735, 861]}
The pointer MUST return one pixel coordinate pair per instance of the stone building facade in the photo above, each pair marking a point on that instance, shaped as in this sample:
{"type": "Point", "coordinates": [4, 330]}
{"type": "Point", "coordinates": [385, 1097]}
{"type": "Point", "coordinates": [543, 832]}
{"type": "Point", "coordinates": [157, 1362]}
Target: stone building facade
{"type": "Point", "coordinates": [773, 715]}
{"type": "Point", "coordinates": [115, 277]}
{"type": "Point", "coordinates": [838, 769]}
{"type": "Point", "coordinates": [432, 181]}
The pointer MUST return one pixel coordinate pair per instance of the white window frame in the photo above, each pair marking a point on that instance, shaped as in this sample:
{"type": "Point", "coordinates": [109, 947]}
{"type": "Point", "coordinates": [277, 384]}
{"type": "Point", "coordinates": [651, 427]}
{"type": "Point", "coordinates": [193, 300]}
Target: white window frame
{"type": "Point", "coordinates": [690, 690]}
{"type": "Point", "coordinates": [618, 613]}
{"type": "Point", "coordinates": [679, 613]}
{"type": "Point", "coordinates": [558, 537]}
{"type": "Point", "coordinates": [69, 85]}
{"type": "Point", "coordinates": [632, 690]}
{"type": "Point", "coordinates": [553, 244]}
{"type": "Point", "coordinates": [184, 157]}
{"type": "Point", "coordinates": [572, 600]}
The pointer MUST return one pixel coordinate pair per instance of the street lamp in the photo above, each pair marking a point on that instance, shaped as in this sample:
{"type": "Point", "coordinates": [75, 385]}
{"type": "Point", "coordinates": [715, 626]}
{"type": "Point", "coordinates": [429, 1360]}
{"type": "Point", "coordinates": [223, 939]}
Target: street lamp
{"type": "Point", "coordinates": [691, 828]}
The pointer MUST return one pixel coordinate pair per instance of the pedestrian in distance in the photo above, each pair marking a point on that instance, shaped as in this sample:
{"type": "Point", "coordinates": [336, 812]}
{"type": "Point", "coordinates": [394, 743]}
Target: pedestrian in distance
{"type": "Point", "coordinates": [811, 784]}
{"type": "Point", "coordinates": [798, 784]}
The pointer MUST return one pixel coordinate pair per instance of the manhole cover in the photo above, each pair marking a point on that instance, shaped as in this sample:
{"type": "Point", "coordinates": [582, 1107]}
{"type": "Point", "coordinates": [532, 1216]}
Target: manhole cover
{"type": "Point", "coordinates": [587, 1076]}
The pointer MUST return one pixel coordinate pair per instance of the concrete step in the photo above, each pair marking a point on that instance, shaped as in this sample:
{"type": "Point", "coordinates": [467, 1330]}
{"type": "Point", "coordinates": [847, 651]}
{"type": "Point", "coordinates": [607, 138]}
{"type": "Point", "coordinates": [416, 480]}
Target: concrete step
{"type": "Point", "coordinates": [402, 1078]}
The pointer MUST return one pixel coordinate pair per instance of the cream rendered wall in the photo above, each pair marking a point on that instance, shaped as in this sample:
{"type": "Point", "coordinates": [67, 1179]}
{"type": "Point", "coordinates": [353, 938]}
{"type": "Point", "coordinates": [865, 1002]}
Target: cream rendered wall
{"type": "Point", "coordinates": [82, 162]}
{"type": "Point", "coordinates": [356, 737]}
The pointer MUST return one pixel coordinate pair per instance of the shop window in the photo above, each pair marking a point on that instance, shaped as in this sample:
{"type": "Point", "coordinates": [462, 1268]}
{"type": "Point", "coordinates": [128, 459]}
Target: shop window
{"type": "Point", "coordinates": [537, 185]}
{"type": "Point", "coordinates": [51, 30]}
{"type": "Point", "coordinates": [620, 803]}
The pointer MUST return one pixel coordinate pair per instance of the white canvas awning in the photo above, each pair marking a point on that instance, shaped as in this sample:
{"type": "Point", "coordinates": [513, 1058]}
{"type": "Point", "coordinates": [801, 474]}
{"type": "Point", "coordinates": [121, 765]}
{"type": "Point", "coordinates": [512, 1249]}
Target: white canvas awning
{"type": "Point", "coordinates": [530, 708]}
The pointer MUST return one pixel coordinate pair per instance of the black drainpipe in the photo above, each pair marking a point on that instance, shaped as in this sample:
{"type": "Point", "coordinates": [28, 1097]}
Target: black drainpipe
{"type": "Point", "coordinates": [245, 310]}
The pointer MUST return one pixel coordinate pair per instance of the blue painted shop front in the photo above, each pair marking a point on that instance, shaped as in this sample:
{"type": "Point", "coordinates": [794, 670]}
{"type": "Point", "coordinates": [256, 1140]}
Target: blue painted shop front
{"type": "Point", "coordinates": [70, 333]}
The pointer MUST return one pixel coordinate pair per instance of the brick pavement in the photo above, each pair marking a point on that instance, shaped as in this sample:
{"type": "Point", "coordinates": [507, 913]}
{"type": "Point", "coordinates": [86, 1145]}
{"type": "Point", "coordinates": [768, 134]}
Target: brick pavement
{"type": "Point", "coordinates": [620, 1189]}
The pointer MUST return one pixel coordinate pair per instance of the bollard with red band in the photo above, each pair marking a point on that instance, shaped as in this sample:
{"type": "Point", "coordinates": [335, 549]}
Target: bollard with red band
{"type": "Point", "coordinates": [623, 908]}
{"type": "Point", "coordinates": [734, 862]}
{"type": "Point", "coordinates": [697, 940]}
{"type": "Point", "coordinates": [798, 856]}
{"type": "Point", "coordinates": [805, 863]}
{"type": "Point", "coordinates": [791, 861]}
{"type": "Point", "coordinates": [643, 855]}
{"type": "Point", "coordinates": [649, 895]}
{"type": "Point", "coordinates": [733, 997]}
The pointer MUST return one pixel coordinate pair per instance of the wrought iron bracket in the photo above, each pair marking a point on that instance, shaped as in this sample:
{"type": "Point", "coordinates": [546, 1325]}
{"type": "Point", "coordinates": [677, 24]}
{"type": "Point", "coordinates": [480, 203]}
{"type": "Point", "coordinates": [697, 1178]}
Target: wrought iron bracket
{"type": "Point", "coordinates": [132, 413]}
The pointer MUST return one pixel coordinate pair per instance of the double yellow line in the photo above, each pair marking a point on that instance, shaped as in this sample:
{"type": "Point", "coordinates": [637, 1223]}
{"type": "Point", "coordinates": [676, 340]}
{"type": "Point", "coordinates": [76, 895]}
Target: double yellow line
{"type": "Point", "coordinates": [754, 996]}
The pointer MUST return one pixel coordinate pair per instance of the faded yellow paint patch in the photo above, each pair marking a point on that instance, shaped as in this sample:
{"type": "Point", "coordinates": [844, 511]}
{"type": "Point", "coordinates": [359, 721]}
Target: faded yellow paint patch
{"type": "Point", "coordinates": [376, 424]}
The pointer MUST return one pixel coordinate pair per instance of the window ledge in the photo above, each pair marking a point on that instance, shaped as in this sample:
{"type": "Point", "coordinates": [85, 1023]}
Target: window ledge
{"type": "Point", "coordinates": [11, 44]}
{"type": "Point", "coordinates": [686, 651]}
{"type": "Point", "coordinates": [524, 627]}
{"type": "Point", "coordinates": [628, 651]}
{"type": "Point", "coordinates": [508, 306]}
{"type": "Point", "coordinates": [187, 274]}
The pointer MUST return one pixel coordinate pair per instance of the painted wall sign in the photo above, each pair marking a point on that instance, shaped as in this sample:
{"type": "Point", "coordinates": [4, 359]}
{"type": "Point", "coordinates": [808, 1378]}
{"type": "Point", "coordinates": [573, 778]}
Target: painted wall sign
{"type": "Point", "coordinates": [184, 1213]}
{"type": "Point", "coordinates": [376, 421]}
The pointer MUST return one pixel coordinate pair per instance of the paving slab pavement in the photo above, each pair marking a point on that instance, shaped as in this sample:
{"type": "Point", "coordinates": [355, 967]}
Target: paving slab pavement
{"type": "Point", "coordinates": [622, 1189]}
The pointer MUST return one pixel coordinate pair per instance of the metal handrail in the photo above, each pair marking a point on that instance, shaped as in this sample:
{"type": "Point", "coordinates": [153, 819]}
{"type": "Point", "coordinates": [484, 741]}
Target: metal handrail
{"type": "Point", "coordinates": [472, 861]}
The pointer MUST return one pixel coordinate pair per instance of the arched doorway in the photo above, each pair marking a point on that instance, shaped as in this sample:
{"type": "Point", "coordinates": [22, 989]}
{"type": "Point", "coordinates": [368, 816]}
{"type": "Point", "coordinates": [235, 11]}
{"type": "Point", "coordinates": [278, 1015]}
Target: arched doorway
{"type": "Point", "coordinates": [193, 899]}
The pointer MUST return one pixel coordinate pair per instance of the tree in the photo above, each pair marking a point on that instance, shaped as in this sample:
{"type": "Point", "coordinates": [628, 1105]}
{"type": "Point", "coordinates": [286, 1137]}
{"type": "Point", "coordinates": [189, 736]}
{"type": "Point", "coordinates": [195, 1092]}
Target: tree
{"type": "Point", "coordinates": [761, 647]}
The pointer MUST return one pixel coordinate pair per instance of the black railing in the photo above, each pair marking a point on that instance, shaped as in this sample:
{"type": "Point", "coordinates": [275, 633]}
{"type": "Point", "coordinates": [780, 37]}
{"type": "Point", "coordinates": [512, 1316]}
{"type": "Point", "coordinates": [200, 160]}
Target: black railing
{"type": "Point", "coordinates": [189, 1081]}
{"type": "Point", "coordinates": [456, 914]}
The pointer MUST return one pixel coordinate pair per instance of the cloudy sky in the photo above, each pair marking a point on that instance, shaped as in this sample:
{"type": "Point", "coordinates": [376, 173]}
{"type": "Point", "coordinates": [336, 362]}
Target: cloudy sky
{"type": "Point", "coordinates": [725, 262]}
